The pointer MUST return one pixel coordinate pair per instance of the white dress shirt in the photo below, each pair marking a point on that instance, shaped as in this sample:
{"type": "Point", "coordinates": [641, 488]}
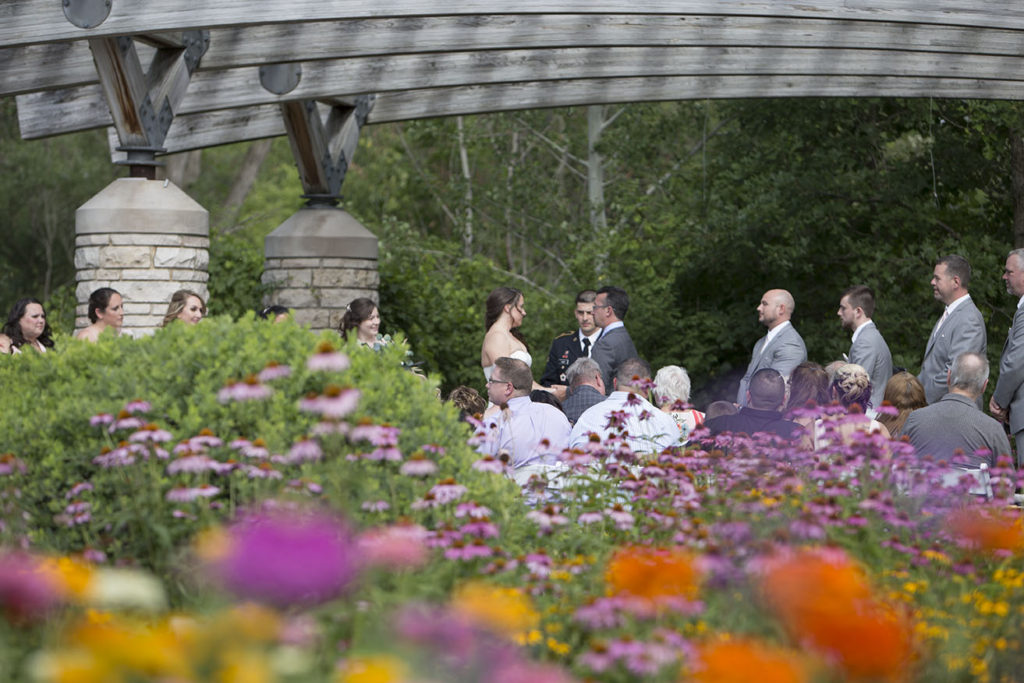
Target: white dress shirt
{"type": "Point", "coordinates": [649, 429]}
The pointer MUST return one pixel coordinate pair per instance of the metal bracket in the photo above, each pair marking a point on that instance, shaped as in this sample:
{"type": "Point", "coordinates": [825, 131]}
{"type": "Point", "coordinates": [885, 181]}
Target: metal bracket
{"type": "Point", "coordinates": [280, 79]}
{"type": "Point", "coordinates": [87, 13]}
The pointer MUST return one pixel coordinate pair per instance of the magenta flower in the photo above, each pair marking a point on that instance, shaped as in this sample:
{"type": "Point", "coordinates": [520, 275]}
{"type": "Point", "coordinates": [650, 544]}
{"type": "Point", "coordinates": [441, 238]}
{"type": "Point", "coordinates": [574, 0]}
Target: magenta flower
{"type": "Point", "coordinates": [101, 419]}
{"type": "Point", "coordinates": [130, 422]}
{"type": "Point", "coordinates": [418, 466]}
{"type": "Point", "coordinates": [388, 454]}
{"type": "Point", "coordinates": [375, 505]}
{"type": "Point", "coordinates": [137, 406]}
{"type": "Point", "coordinates": [78, 489]}
{"type": "Point", "coordinates": [548, 518]}
{"type": "Point", "coordinates": [378, 435]}
{"type": "Point", "coordinates": [304, 450]}
{"type": "Point", "coordinates": [394, 547]}
{"type": "Point", "coordinates": [274, 371]}
{"type": "Point", "coordinates": [327, 359]}
{"type": "Point", "coordinates": [249, 390]}
{"type": "Point", "coordinates": [336, 402]}
{"type": "Point", "coordinates": [489, 463]}
{"type": "Point", "coordinates": [472, 510]}
{"type": "Point", "coordinates": [447, 491]}
{"type": "Point", "coordinates": [468, 551]}
{"type": "Point", "coordinates": [150, 433]}
{"type": "Point", "coordinates": [286, 558]}
{"type": "Point", "coordinates": [261, 471]}
{"type": "Point", "coordinates": [589, 517]}
{"type": "Point", "coordinates": [182, 494]}
{"type": "Point", "coordinates": [26, 591]}
{"type": "Point", "coordinates": [194, 463]}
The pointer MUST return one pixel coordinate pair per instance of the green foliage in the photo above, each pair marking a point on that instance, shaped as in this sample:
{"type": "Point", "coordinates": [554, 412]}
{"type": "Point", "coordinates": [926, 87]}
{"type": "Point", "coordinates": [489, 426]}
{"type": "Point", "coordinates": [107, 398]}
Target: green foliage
{"type": "Point", "coordinates": [236, 264]}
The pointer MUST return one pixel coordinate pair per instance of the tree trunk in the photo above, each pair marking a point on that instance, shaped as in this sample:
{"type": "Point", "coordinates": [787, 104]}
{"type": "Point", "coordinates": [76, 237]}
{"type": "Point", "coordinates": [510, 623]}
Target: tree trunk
{"type": "Point", "coordinates": [1017, 175]}
{"type": "Point", "coordinates": [246, 176]}
{"type": "Point", "coordinates": [595, 169]}
{"type": "Point", "coordinates": [467, 217]}
{"type": "Point", "coordinates": [509, 175]}
{"type": "Point", "coordinates": [182, 169]}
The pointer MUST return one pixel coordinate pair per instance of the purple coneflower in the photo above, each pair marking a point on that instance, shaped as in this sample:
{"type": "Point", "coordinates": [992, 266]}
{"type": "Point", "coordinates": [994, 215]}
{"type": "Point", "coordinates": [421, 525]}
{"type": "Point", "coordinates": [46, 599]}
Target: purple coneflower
{"type": "Point", "coordinates": [327, 359]}
{"type": "Point", "coordinates": [274, 371]}
{"type": "Point", "coordinates": [418, 466]}
{"type": "Point", "coordinates": [472, 509]}
{"type": "Point", "coordinates": [101, 419]}
{"type": "Point", "coordinates": [447, 491]}
{"type": "Point", "coordinates": [81, 487]}
{"type": "Point", "coordinates": [150, 433]}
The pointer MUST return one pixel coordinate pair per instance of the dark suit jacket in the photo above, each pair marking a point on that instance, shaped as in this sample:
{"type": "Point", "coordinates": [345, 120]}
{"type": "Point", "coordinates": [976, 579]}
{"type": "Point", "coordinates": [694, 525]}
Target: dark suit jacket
{"type": "Point", "coordinates": [750, 420]}
{"type": "Point", "coordinates": [565, 350]}
{"type": "Point", "coordinates": [581, 398]}
{"type": "Point", "coordinates": [963, 330]}
{"type": "Point", "coordinates": [1009, 391]}
{"type": "Point", "coordinates": [610, 351]}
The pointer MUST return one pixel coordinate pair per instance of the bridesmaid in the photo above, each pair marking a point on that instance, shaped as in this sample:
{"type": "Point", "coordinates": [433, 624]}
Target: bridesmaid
{"type": "Point", "coordinates": [106, 309]}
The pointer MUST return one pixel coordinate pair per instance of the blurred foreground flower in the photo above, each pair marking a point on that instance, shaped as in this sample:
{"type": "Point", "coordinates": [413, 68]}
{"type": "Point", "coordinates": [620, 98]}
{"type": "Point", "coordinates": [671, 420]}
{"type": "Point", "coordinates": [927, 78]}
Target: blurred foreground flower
{"type": "Point", "coordinates": [373, 669]}
{"type": "Point", "coordinates": [282, 557]}
{"type": "Point", "coordinates": [653, 573]}
{"type": "Point", "coordinates": [27, 588]}
{"type": "Point", "coordinates": [741, 661]}
{"type": "Point", "coordinates": [505, 611]}
{"type": "Point", "coordinates": [824, 600]}
{"type": "Point", "coordinates": [988, 529]}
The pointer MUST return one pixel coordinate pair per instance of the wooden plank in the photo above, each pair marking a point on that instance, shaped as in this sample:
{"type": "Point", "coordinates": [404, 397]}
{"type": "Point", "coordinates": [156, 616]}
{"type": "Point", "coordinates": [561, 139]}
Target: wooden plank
{"type": "Point", "coordinates": [26, 22]}
{"type": "Point", "coordinates": [62, 65]}
{"type": "Point", "coordinates": [123, 84]}
{"type": "Point", "coordinates": [196, 131]}
{"type": "Point", "coordinates": [42, 114]}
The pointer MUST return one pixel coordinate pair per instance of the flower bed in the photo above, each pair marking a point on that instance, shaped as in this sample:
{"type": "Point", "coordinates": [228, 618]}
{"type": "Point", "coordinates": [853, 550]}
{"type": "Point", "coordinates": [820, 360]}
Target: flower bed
{"type": "Point", "coordinates": [309, 513]}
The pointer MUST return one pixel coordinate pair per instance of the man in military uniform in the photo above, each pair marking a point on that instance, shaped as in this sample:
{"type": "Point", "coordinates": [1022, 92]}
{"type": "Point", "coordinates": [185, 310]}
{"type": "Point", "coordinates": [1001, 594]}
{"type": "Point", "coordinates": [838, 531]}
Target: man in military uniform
{"type": "Point", "coordinates": [572, 345]}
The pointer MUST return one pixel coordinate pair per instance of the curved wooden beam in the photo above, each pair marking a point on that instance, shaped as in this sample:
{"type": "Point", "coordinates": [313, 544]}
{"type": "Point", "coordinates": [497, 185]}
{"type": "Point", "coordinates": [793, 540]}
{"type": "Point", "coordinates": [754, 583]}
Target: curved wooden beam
{"type": "Point", "coordinates": [28, 22]}
{"type": "Point", "coordinates": [209, 129]}
{"type": "Point", "coordinates": [58, 112]}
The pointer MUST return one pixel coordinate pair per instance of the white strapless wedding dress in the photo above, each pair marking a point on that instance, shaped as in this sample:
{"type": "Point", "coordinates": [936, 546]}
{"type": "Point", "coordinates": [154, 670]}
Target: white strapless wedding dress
{"type": "Point", "coordinates": [518, 354]}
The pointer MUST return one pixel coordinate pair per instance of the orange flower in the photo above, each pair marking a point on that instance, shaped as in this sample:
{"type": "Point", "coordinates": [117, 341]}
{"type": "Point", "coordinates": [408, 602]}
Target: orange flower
{"type": "Point", "coordinates": [824, 600]}
{"type": "Point", "coordinates": [988, 530]}
{"type": "Point", "coordinates": [740, 661]}
{"type": "Point", "coordinates": [653, 573]}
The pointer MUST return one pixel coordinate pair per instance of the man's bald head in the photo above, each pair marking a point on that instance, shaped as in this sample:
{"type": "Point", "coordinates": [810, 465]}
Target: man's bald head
{"type": "Point", "coordinates": [776, 307]}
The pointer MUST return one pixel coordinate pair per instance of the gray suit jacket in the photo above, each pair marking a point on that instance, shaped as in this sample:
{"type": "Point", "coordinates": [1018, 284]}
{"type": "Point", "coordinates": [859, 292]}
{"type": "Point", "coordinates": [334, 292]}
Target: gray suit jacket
{"type": "Point", "coordinates": [954, 423]}
{"type": "Point", "coordinates": [786, 351]}
{"type": "Point", "coordinates": [610, 351]}
{"type": "Point", "coordinates": [1010, 386]}
{"type": "Point", "coordinates": [963, 330]}
{"type": "Point", "coordinates": [872, 353]}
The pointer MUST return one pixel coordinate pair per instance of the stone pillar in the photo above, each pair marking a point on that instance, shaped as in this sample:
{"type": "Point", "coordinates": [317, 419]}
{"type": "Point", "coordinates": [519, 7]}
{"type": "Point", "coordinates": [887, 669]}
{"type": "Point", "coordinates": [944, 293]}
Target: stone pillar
{"type": "Point", "coordinates": [146, 239]}
{"type": "Point", "coordinates": [318, 261]}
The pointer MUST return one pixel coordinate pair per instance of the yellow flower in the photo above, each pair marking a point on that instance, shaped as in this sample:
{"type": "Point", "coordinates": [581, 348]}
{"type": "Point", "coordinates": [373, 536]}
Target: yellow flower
{"type": "Point", "coordinates": [244, 666]}
{"type": "Point", "coordinates": [557, 647]}
{"type": "Point", "coordinates": [73, 576]}
{"type": "Point", "coordinates": [373, 669]}
{"type": "Point", "coordinates": [503, 610]}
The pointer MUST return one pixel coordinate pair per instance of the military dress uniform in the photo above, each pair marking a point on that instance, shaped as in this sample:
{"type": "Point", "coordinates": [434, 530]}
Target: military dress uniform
{"type": "Point", "coordinates": [564, 351]}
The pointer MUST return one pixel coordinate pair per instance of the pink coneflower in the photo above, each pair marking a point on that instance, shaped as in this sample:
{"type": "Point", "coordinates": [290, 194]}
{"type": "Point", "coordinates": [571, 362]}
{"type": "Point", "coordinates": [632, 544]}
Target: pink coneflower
{"type": "Point", "coordinates": [548, 518]}
{"type": "Point", "coordinates": [95, 556]}
{"type": "Point", "coordinates": [304, 450]}
{"type": "Point", "coordinates": [489, 463]}
{"type": "Point", "coordinates": [257, 449]}
{"type": "Point", "coordinates": [337, 402]}
{"type": "Point", "coordinates": [622, 518]}
{"type": "Point", "coordinates": [447, 491]}
{"type": "Point", "coordinates": [329, 427]}
{"type": "Point", "coordinates": [418, 466]}
{"type": "Point", "coordinates": [327, 359]}
{"type": "Point", "coordinates": [385, 454]}
{"type": "Point", "coordinates": [396, 547]}
{"type": "Point", "coordinates": [101, 419]}
{"type": "Point", "coordinates": [481, 528]}
{"type": "Point", "coordinates": [286, 557]}
{"type": "Point", "coordinates": [426, 502]}
{"type": "Point", "coordinates": [589, 517]}
{"type": "Point", "coordinates": [180, 514]}
{"type": "Point", "coordinates": [472, 510]}
{"type": "Point", "coordinates": [261, 471]}
{"type": "Point", "coordinates": [27, 590]}
{"type": "Point", "coordinates": [119, 457]}
{"type": "Point", "coordinates": [10, 464]}
{"type": "Point", "coordinates": [468, 551]}
{"type": "Point", "coordinates": [77, 489]}
{"type": "Point", "coordinates": [375, 505]}
{"type": "Point", "coordinates": [125, 420]}
{"type": "Point", "coordinates": [378, 435]}
{"type": "Point", "coordinates": [182, 494]}
{"type": "Point", "coordinates": [248, 390]}
{"type": "Point", "coordinates": [137, 406]}
{"type": "Point", "coordinates": [193, 463]}
{"type": "Point", "coordinates": [274, 371]}
{"type": "Point", "coordinates": [150, 433]}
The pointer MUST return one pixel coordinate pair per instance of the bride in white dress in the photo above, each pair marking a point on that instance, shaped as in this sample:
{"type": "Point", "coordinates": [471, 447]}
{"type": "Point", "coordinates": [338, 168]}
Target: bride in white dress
{"type": "Point", "coordinates": [505, 311]}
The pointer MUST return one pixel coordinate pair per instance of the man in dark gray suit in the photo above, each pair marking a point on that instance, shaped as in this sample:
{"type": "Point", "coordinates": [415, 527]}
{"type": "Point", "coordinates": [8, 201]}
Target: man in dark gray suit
{"type": "Point", "coordinates": [1007, 402]}
{"type": "Point", "coordinates": [614, 345]}
{"type": "Point", "coordinates": [867, 347]}
{"type": "Point", "coordinates": [953, 424]}
{"type": "Point", "coordinates": [782, 349]}
{"type": "Point", "coordinates": [960, 329]}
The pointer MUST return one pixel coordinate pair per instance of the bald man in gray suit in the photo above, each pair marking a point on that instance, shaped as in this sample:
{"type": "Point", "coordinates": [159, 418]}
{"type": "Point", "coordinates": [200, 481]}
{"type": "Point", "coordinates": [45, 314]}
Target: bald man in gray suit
{"type": "Point", "coordinates": [961, 328]}
{"type": "Point", "coordinates": [782, 349]}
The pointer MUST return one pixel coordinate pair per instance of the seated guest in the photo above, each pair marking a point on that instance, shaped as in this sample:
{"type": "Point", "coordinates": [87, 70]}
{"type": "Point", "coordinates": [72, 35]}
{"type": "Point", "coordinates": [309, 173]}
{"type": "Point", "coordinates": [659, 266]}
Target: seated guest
{"type": "Point", "coordinates": [851, 387]}
{"type": "Point", "coordinates": [905, 393]}
{"type": "Point", "coordinates": [718, 408]}
{"type": "Point", "coordinates": [531, 433]}
{"type": "Point", "coordinates": [469, 402]}
{"type": "Point", "coordinates": [763, 410]}
{"type": "Point", "coordinates": [672, 394]}
{"type": "Point", "coordinates": [541, 396]}
{"type": "Point", "coordinates": [646, 429]}
{"type": "Point", "coordinates": [586, 387]}
{"type": "Point", "coordinates": [274, 312]}
{"type": "Point", "coordinates": [808, 389]}
{"type": "Point", "coordinates": [26, 326]}
{"type": "Point", "coordinates": [186, 306]}
{"type": "Point", "coordinates": [954, 425]}
{"type": "Point", "coordinates": [106, 309]}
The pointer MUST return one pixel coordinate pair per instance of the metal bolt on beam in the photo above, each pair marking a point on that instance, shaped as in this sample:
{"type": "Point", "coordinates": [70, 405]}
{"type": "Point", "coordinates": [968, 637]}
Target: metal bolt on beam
{"type": "Point", "coordinates": [87, 13]}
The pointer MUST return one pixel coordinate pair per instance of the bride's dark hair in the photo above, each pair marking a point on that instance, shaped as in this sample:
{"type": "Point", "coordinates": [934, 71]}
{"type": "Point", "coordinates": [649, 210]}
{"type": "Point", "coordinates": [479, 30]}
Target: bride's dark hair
{"type": "Point", "coordinates": [497, 300]}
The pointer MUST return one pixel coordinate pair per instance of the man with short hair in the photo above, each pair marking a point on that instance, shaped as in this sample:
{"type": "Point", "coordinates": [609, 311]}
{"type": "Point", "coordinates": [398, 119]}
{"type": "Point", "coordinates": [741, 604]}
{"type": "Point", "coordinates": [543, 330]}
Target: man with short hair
{"type": "Point", "coordinates": [1007, 403]}
{"type": "Point", "coordinates": [645, 428]}
{"type": "Point", "coordinates": [867, 346]}
{"type": "Point", "coordinates": [953, 424]}
{"type": "Point", "coordinates": [761, 410]}
{"type": "Point", "coordinates": [566, 348]}
{"type": "Point", "coordinates": [586, 388]}
{"type": "Point", "coordinates": [532, 433]}
{"type": "Point", "coordinates": [960, 329]}
{"type": "Point", "coordinates": [614, 346]}
{"type": "Point", "coordinates": [782, 348]}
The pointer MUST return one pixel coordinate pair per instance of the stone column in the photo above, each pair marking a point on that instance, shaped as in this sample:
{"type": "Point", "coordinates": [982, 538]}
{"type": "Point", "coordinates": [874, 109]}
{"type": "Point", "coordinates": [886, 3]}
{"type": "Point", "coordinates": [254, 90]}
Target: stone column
{"type": "Point", "coordinates": [146, 239]}
{"type": "Point", "coordinates": [318, 261]}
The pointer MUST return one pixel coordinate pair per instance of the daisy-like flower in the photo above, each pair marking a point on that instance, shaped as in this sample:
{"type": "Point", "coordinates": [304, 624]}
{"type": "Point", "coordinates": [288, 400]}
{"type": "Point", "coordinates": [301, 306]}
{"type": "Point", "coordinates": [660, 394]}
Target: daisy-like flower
{"type": "Point", "coordinates": [261, 471]}
{"type": "Point", "coordinates": [249, 390]}
{"type": "Point", "coordinates": [327, 359]}
{"type": "Point", "coordinates": [274, 371]}
{"type": "Point", "coordinates": [194, 463]}
{"type": "Point", "coordinates": [304, 450]}
{"type": "Point", "coordinates": [138, 406]}
{"type": "Point", "coordinates": [337, 402]}
{"type": "Point", "coordinates": [183, 494]}
{"type": "Point", "coordinates": [548, 518]}
{"type": "Point", "coordinates": [78, 489]}
{"type": "Point", "coordinates": [378, 435]}
{"type": "Point", "coordinates": [387, 453]}
{"type": "Point", "coordinates": [418, 466]}
{"type": "Point", "coordinates": [472, 510]}
{"type": "Point", "coordinates": [622, 518]}
{"type": "Point", "coordinates": [427, 501]}
{"type": "Point", "coordinates": [375, 505]}
{"type": "Point", "coordinates": [589, 517]}
{"type": "Point", "coordinates": [257, 449]}
{"type": "Point", "coordinates": [125, 420]}
{"type": "Point", "coordinates": [468, 551]}
{"type": "Point", "coordinates": [447, 491]}
{"type": "Point", "coordinates": [119, 457]}
{"type": "Point", "coordinates": [396, 547]}
{"type": "Point", "coordinates": [489, 463]}
{"type": "Point", "coordinates": [150, 433]}
{"type": "Point", "coordinates": [101, 419]}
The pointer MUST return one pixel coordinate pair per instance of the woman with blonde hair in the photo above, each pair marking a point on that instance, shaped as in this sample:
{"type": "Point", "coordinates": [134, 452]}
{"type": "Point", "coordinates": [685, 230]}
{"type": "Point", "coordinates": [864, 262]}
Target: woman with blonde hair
{"type": "Point", "coordinates": [906, 394]}
{"type": "Point", "coordinates": [186, 306]}
{"type": "Point", "coordinates": [851, 387]}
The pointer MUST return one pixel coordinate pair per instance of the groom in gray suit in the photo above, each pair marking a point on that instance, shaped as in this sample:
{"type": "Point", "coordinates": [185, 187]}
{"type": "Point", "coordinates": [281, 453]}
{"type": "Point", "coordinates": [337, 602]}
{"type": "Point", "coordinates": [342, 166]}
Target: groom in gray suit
{"type": "Point", "coordinates": [782, 349]}
{"type": "Point", "coordinates": [614, 345]}
{"type": "Point", "coordinates": [867, 347]}
{"type": "Point", "coordinates": [1007, 404]}
{"type": "Point", "coordinates": [960, 329]}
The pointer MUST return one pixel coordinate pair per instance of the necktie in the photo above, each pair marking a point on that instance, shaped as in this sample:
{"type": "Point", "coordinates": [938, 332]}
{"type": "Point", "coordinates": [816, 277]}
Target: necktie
{"type": "Point", "coordinates": [586, 347]}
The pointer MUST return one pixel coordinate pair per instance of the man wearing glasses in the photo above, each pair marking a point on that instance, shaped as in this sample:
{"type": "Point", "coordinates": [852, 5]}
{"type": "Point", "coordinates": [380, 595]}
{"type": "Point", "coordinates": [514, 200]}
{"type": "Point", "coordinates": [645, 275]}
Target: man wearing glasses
{"type": "Point", "coordinates": [531, 433]}
{"type": "Point", "coordinates": [614, 346]}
